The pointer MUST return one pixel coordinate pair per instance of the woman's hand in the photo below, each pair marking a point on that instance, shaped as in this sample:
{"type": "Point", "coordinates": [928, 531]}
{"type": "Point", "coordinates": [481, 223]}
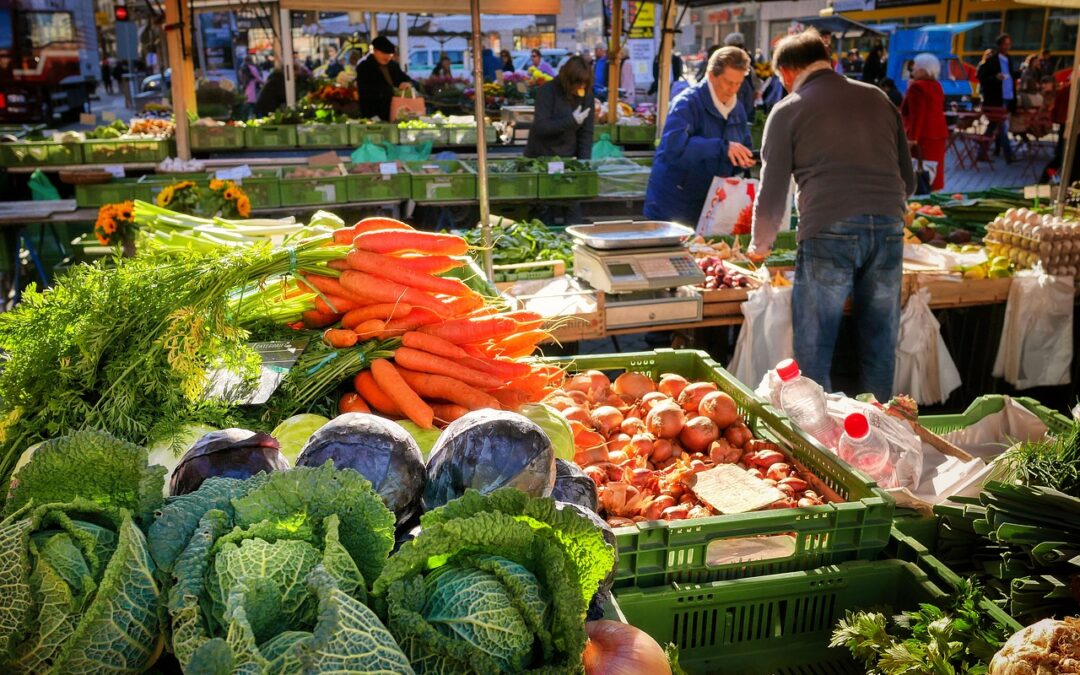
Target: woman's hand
{"type": "Point", "coordinates": [740, 155]}
{"type": "Point", "coordinates": [581, 114]}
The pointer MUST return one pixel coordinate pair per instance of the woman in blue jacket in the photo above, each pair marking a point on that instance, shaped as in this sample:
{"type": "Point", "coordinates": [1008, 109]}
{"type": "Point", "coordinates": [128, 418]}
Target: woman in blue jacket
{"type": "Point", "coordinates": [705, 135]}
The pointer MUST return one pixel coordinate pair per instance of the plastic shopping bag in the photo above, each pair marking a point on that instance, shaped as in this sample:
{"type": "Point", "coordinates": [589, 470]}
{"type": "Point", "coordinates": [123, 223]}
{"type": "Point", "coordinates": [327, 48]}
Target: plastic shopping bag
{"type": "Point", "coordinates": [605, 149]}
{"type": "Point", "coordinates": [924, 368]}
{"type": "Point", "coordinates": [766, 335]}
{"type": "Point", "coordinates": [728, 208]}
{"type": "Point", "coordinates": [1036, 347]}
{"type": "Point", "coordinates": [409, 153]}
{"type": "Point", "coordinates": [41, 188]}
{"type": "Point", "coordinates": [369, 152]}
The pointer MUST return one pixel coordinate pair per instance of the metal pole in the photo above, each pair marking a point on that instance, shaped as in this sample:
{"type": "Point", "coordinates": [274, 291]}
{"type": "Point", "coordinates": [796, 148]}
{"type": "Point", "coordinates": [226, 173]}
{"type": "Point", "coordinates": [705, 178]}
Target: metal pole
{"type": "Point", "coordinates": [373, 25]}
{"type": "Point", "coordinates": [481, 145]}
{"type": "Point", "coordinates": [287, 63]}
{"type": "Point", "coordinates": [614, 63]}
{"type": "Point", "coordinates": [667, 35]}
{"type": "Point", "coordinates": [1070, 129]}
{"type": "Point", "coordinates": [403, 39]}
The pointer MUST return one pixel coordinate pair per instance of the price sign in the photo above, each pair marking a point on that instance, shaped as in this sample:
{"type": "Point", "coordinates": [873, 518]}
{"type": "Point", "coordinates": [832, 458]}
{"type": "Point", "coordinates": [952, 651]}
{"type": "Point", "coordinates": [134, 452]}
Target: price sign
{"type": "Point", "coordinates": [236, 173]}
{"type": "Point", "coordinates": [87, 118]}
{"type": "Point", "coordinates": [388, 168]}
{"type": "Point", "coordinates": [116, 171]}
{"type": "Point", "coordinates": [108, 116]}
{"type": "Point", "coordinates": [555, 167]}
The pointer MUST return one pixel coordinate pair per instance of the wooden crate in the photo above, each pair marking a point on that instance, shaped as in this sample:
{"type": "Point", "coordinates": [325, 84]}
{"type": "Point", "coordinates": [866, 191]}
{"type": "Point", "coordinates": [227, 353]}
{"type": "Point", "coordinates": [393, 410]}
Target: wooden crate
{"type": "Point", "coordinates": [946, 292]}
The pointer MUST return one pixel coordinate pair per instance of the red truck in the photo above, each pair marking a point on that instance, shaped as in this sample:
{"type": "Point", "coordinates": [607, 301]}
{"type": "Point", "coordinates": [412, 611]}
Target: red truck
{"type": "Point", "coordinates": [49, 61]}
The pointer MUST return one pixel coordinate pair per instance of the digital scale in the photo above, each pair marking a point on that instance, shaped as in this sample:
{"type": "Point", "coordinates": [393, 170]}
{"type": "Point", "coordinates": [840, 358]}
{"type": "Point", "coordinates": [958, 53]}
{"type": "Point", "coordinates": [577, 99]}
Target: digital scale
{"type": "Point", "coordinates": [645, 268]}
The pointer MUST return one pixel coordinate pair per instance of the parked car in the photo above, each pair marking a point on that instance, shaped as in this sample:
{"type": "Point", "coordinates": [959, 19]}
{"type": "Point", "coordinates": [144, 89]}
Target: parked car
{"type": "Point", "coordinates": [554, 57]}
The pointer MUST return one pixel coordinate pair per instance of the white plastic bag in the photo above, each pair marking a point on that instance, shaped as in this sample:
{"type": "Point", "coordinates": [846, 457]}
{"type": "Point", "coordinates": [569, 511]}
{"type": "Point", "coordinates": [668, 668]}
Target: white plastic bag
{"type": "Point", "coordinates": [766, 335]}
{"type": "Point", "coordinates": [728, 202]}
{"type": "Point", "coordinates": [1036, 343]}
{"type": "Point", "coordinates": [924, 368]}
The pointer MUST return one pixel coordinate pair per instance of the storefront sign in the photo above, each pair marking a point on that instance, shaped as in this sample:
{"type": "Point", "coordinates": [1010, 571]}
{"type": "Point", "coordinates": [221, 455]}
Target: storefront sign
{"type": "Point", "coordinates": [735, 14]}
{"type": "Point", "coordinates": [643, 15]}
{"type": "Point", "coordinates": [853, 5]}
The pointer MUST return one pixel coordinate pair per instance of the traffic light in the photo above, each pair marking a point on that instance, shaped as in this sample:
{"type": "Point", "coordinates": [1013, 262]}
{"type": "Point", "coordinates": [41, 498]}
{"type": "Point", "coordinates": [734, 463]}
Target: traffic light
{"type": "Point", "coordinates": [120, 11]}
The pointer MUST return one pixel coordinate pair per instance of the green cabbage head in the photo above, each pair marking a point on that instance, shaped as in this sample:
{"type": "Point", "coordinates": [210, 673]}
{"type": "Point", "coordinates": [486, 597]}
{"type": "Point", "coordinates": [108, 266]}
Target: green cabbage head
{"type": "Point", "coordinates": [271, 574]}
{"type": "Point", "coordinates": [77, 586]}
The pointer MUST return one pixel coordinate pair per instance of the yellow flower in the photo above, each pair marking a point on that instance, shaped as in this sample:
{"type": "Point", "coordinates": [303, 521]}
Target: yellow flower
{"type": "Point", "coordinates": [104, 241]}
{"type": "Point", "coordinates": [243, 206]}
{"type": "Point", "coordinates": [230, 194]}
{"type": "Point", "coordinates": [109, 226]}
{"type": "Point", "coordinates": [217, 184]}
{"type": "Point", "coordinates": [183, 185]}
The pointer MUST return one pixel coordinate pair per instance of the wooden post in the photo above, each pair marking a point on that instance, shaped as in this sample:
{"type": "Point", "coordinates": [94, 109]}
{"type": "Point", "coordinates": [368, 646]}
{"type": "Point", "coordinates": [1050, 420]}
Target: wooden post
{"type": "Point", "coordinates": [1070, 130]}
{"type": "Point", "coordinates": [177, 25]}
{"type": "Point", "coordinates": [481, 144]}
{"type": "Point", "coordinates": [287, 63]}
{"type": "Point", "coordinates": [667, 36]}
{"type": "Point", "coordinates": [614, 63]}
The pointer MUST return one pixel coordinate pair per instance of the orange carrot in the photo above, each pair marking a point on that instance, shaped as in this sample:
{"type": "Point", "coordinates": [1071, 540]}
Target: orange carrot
{"type": "Point", "coordinates": [340, 264]}
{"type": "Point", "coordinates": [433, 345]}
{"type": "Point", "coordinates": [465, 304]}
{"type": "Point", "coordinates": [345, 235]}
{"type": "Point", "coordinates": [511, 398]}
{"type": "Point", "coordinates": [527, 320]}
{"type": "Point", "coordinates": [394, 386]}
{"type": "Point", "coordinates": [431, 264]}
{"type": "Point", "coordinates": [316, 319]}
{"type": "Point", "coordinates": [327, 286]}
{"type": "Point", "coordinates": [463, 331]}
{"type": "Point", "coordinates": [505, 368]}
{"type": "Point", "coordinates": [369, 329]}
{"type": "Point", "coordinates": [448, 412]}
{"type": "Point", "coordinates": [521, 344]}
{"type": "Point", "coordinates": [386, 311]}
{"type": "Point", "coordinates": [417, 318]}
{"type": "Point", "coordinates": [351, 402]}
{"type": "Point", "coordinates": [397, 241]}
{"type": "Point", "coordinates": [387, 268]}
{"type": "Point", "coordinates": [448, 389]}
{"type": "Point", "coordinates": [365, 385]}
{"type": "Point", "coordinates": [333, 304]}
{"type": "Point", "coordinates": [339, 338]}
{"type": "Point", "coordinates": [383, 290]}
{"type": "Point", "coordinates": [424, 362]}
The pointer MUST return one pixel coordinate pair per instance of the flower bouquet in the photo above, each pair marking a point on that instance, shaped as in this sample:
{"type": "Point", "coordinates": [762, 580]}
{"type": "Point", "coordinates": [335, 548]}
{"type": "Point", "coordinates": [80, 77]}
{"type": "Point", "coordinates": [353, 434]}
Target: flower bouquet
{"type": "Point", "coordinates": [228, 200]}
{"type": "Point", "coordinates": [184, 196]}
{"type": "Point", "coordinates": [115, 225]}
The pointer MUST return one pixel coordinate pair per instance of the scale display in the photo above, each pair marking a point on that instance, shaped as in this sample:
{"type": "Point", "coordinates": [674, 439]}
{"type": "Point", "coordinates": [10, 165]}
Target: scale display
{"type": "Point", "coordinates": [623, 271]}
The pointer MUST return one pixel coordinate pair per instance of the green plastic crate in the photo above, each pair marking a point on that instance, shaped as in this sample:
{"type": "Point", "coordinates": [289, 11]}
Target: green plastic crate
{"type": "Point", "coordinates": [463, 135]}
{"type": "Point", "coordinates": [601, 129]}
{"type": "Point", "coordinates": [376, 133]}
{"type": "Point", "coordinates": [445, 186]}
{"type": "Point", "coordinates": [642, 161]}
{"type": "Point", "coordinates": [642, 134]}
{"type": "Point", "coordinates": [86, 249]}
{"type": "Point", "coordinates": [125, 150]}
{"type": "Point", "coordinates": [271, 136]}
{"type": "Point", "coordinates": [436, 136]}
{"type": "Point", "coordinates": [663, 552]}
{"type": "Point", "coordinates": [378, 187]}
{"type": "Point", "coordinates": [515, 185]}
{"type": "Point", "coordinates": [226, 137]}
{"type": "Point", "coordinates": [568, 185]}
{"type": "Point", "coordinates": [45, 153]}
{"type": "Point", "coordinates": [115, 191]}
{"type": "Point", "coordinates": [263, 188]}
{"type": "Point", "coordinates": [779, 624]}
{"type": "Point", "coordinates": [619, 177]}
{"type": "Point", "coordinates": [322, 135]}
{"type": "Point", "coordinates": [308, 191]}
{"type": "Point", "coordinates": [156, 182]}
{"type": "Point", "coordinates": [988, 405]}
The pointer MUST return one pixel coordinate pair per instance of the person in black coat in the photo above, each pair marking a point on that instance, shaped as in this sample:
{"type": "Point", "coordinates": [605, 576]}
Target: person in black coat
{"type": "Point", "coordinates": [997, 88]}
{"type": "Point", "coordinates": [676, 72]}
{"type": "Point", "coordinates": [563, 118]}
{"type": "Point", "coordinates": [377, 77]}
{"type": "Point", "coordinates": [873, 70]}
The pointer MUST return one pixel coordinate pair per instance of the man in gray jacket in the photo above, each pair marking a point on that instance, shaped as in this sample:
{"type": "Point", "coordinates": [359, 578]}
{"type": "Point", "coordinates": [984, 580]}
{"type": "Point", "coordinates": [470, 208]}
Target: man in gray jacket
{"type": "Point", "coordinates": [844, 143]}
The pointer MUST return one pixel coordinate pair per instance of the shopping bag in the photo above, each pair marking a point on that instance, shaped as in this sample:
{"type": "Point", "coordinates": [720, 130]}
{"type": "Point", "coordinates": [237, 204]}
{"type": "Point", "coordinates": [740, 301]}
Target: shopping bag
{"type": "Point", "coordinates": [409, 153]}
{"type": "Point", "coordinates": [924, 368]}
{"type": "Point", "coordinates": [369, 152]}
{"type": "Point", "coordinates": [1036, 347]}
{"type": "Point", "coordinates": [406, 104]}
{"type": "Point", "coordinates": [728, 208]}
{"type": "Point", "coordinates": [41, 188]}
{"type": "Point", "coordinates": [605, 149]}
{"type": "Point", "coordinates": [766, 335]}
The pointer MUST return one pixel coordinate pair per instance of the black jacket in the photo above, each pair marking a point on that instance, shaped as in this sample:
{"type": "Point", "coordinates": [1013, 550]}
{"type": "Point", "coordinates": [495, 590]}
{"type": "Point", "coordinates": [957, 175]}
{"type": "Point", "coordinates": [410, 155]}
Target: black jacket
{"type": "Point", "coordinates": [375, 92]}
{"type": "Point", "coordinates": [555, 132]}
{"type": "Point", "coordinates": [990, 88]}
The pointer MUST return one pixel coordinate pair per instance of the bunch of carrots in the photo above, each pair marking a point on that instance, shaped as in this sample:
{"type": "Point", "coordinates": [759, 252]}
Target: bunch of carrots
{"type": "Point", "coordinates": [457, 353]}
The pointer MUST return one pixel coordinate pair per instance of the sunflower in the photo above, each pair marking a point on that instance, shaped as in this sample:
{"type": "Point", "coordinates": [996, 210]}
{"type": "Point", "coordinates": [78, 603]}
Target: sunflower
{"type": "Point", "coordinates": [126, 212]}
{"type": "Point", "coordinates": [102, 239]}
{"type": "Point", "coordinates": [230, 194]}
{"type": "Point", "coordinates": [165, 197]}
{"type": "Point", "coordinates": [185, 184]}
{"type": "Point", "coordinates": [108, 226]}
{"type": "Point", "coordinates": [243, 206]}
{"type": "Point", "coordinates": [217, 184]}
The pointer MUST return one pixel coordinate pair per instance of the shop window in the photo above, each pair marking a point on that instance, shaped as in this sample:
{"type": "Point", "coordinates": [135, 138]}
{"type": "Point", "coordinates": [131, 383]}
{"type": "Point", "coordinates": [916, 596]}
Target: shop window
{"type": "Point", "coordinates": [777, 30]}
{"type": "Point", "coordinates": [920, 21]}
{"type": "Point", "coordinates": [982, 37]}
{"type": "Point", "coordinates": [1025, 26]}
{"type": "Point", "coordinates": [1061, 29]}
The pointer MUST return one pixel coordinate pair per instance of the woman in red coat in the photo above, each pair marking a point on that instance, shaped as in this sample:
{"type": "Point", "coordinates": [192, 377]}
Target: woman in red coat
{"type": "Point", "coordinates": [923, 111]}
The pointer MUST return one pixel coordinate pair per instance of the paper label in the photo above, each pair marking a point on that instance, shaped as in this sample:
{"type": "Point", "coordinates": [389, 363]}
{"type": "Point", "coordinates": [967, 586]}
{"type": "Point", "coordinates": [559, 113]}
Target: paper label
{"type": "Point", "coordinates": [556, 167]}
{"type": "Point", "coordinates": [115, 170]}
{"type": "Point", "coordinates": [329, 192]}
{"type": "Point", "coordinates": [522, 87]}
{"type": "Point", "coordinates": [388, 168]}
{"type": "Point", "coordinates": [236, 173]}
{"type": "Point", "coordinates": [433, 188]}
{"type": "Point", "coordinates": [731, 551]}
{"type": "Point", "coordinates": [87, 118]}
{"type": "Point", "coordinates": [108, 116]}
{"type": "Point", "coordinates": [1033, 191]}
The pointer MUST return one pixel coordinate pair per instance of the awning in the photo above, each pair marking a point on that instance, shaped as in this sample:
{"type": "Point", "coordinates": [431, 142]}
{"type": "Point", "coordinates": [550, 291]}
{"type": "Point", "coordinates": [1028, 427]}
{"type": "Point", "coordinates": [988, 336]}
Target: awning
{"type": "Point", "coordinates": [838, 24]}
{"type": "Point", "coordinates": [425, 6]}
{"type": "Point", "coordinates": [954, 28]}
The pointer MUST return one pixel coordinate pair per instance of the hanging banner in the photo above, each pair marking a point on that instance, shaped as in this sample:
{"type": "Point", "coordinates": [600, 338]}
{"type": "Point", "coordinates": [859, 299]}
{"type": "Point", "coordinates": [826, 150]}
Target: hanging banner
{"type": "Point", "coordinates": [643, 15]}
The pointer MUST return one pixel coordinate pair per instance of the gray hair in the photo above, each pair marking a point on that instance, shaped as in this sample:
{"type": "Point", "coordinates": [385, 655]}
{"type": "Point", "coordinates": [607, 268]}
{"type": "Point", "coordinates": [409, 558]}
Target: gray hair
{"type": "Point", "coordinates": [927, 62]}
{"type": "Point", "coordinates": [728, 57]}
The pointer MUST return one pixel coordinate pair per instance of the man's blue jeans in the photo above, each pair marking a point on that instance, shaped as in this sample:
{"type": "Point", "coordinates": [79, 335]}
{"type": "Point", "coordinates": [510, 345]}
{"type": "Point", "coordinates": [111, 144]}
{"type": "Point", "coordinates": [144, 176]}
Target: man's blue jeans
{"type": "Point", "coordinates": [860, 258]}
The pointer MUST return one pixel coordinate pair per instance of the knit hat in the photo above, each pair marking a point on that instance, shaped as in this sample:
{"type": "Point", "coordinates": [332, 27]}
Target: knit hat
{"type": "Point", "coordinates": [383, 44]}
{"type": "Point", "coordinates": [734, 39]}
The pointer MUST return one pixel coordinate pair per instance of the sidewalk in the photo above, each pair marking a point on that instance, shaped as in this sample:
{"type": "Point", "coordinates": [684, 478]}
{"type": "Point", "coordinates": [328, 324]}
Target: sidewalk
{"type": "Point", "coordinates": [1025, 171]}
{"type": "Point", "coordinates": [113, 103]}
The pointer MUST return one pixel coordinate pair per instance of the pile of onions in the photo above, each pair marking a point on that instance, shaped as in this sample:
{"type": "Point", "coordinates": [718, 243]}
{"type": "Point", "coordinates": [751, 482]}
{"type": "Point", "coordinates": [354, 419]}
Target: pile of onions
{"type": "Point", "coordinates": [620, 649]}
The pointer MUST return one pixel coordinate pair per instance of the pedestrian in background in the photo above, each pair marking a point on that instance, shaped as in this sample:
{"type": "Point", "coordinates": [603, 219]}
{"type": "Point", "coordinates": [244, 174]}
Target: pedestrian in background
{"type": "Point", "coordinates": [626, 77]}
{"type": "Point", "coordinates": [997, 87]}
{"type": "Point", "coordinates": [600, 71]}
{"type": "Point", "coordinates": [106, 76]}
{"type": "Point", "coordinates": [873, 70]}
{"type": "Point", "coordinates": [563, 118]}
{"type": "Point", "coordinates": [923, 110]}
{"type": "Point", "coordinates": [854, 174]}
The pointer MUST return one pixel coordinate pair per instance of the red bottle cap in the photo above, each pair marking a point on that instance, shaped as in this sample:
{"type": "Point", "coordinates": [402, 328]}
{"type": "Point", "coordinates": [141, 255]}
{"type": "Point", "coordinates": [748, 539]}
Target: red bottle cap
{"type": "Point", "coordinates": [856, 425]}
{"type": "Point", "coordinates": [787, 370]}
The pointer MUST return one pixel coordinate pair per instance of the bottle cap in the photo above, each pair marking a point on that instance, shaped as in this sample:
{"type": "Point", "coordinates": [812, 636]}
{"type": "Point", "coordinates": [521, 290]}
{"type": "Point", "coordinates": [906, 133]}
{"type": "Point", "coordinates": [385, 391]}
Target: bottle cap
{"type": "Point", "coordinates": [787, 370]}
{"type": "Point", "coordinates": [856, 425]}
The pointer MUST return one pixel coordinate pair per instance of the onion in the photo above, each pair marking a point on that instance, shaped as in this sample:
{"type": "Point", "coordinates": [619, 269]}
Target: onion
{"type": "Point", "coordinates": [579, 398]}
{"type": "Point", "coordinates": [634, 385]}
{"type": "Point", "coordinates": [672, 384]}
{"type": "Point", "coordinates": [560, 401]}
{"type": "Point", "coordinates": [632, 426]}
{"type": "Point", "coordinates": [720, 408]}
{"type": "Point", "coordinates": [606, 419]}
{"type": "Point", "coordinates": [578, 414]}
{"type": "Point", "coordinates": [662, 451]}
{"type": "Point", "coordinates": [691, 396]}
{"type": "Point", "coordinates": [641, 445]}
{"type": "Point", "coordinates": [592, 383]}
{"type": "Point", "coordinates": [666, 420]}
{"type": "Point", "coordinates": [698, 434]}
{"type": "Point", "coordinates": [616, 648]}
{"type": "Point", "coordinates": [738, 435]}
{"type": "Point", "coordinates": [650, 401]}
{"type": "Point", "coordinates": [723, 452]}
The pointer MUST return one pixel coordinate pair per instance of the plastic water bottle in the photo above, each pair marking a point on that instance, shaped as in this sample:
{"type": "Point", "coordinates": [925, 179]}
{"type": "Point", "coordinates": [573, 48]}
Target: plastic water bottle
{"type": "Point", "coordinates": [803, 401]}
{"type": "Point", "coordinates": [867, 450]}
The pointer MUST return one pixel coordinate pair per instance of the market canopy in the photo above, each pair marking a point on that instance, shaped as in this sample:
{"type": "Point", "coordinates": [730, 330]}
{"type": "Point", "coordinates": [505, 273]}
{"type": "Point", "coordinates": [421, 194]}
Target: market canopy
{"type": "Point", "coordinates": [425, 6]}
{"type": "Point", "coordinates": [839, 24]}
